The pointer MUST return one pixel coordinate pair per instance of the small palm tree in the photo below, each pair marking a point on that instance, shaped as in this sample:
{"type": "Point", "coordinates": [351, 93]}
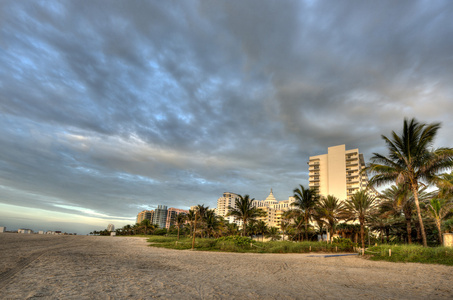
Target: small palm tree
{"type": "Point", "coordinates": [245, 211]}
{"type": "Point", "coordinates": [438, 209]}
{"type": "Point", "coordinates": [331, 209]}
{"type": "Point", "coordinates": [360, 207]}
{"type": "Point", "coordinates": [180, 220]}
{"type": "Point", "coordinates": [297, 217]}
{"type": "Point", "coordinates": [306, 201]}
{"type": "Point", "coordinates": [411, 161]}
{"type": "Point", "coordinates": [145, 224]}
{"type": "Point", "coordinates": [261, 228]}
{"type": "Point", "coordinates": [445, 184]}
{"type": "Point", "coordinates": [273, 234]}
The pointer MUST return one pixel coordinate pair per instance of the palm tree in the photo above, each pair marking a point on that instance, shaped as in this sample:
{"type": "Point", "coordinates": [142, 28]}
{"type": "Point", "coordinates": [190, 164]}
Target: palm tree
{"type": "Point", "coordinates": [200, 211]}
{"type": "Point", "coordinates": [445, 184]}
{"type": "Point", "coordinates": [438, 209]}
{"type": "Point", "coordinates": [212, 223]}
{"type": "Point", "coordinates": [331, 209]}
{"type": "Point", "coordinates": [297, 216]}
{"type": "Point", "coordinates": [397, 200]}
{"type": "Point", "coordinates": [245, 211]}
{"type": "Point", "coordinates": [411, 161]}
{"type": "Point", "coordinates": [284, 226]}
{"type": "Point", "coordinates": [261, 228]}
{"type": "Point", "coordinates": [146, 224]}
{"type": "Point", "coordinates": [180, 220]}
{"type": "Point", "coordinates": [360, 207]}
{"type": "Point", "coordinates": [273, 234]}
{"type": "Point", "coordinates": [306, 200]}
{"type": "Point", "coordinates": [231, 228]}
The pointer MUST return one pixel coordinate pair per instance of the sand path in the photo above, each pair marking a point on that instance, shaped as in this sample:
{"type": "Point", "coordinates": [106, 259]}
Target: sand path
{"type": "Point", "coordinates": [87, 267]}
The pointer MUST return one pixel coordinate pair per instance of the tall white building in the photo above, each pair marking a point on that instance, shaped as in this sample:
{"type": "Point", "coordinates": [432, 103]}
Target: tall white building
{"type": "Point", "coordinates": [338, 172]}
{"type": "Point", "coordinates": [111, 227]}
{"type": "Point", "coordinates": [227, 200]}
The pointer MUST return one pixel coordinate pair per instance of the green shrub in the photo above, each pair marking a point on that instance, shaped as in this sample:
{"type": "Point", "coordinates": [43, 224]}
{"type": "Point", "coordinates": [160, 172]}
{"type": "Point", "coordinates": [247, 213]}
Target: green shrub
{"type": "Point", "coordinates": [344, 244]}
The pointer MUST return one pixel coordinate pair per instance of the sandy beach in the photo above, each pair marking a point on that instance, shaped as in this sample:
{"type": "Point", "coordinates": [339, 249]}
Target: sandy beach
{"type": "Point", "coordinates": [89, 267]}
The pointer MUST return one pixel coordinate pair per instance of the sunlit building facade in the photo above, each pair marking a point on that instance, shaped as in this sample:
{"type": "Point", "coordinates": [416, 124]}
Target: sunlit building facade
{"type": "Point", "coordinates": [274, 209]}
{"type": "Point", "coordinates": [171, 216]}
{"type": "Point", "coordinates": [145, 214]}
{"type": "Point", "coordinates": [338, 173]}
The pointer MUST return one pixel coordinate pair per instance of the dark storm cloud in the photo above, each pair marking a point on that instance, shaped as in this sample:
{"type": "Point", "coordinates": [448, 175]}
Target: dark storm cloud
{"type": "Point", "coordinates": [110, 107]}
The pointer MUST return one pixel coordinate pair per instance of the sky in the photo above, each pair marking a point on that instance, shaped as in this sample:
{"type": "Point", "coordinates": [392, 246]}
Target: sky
{"type": "Point", "coordinates": [108, 108]}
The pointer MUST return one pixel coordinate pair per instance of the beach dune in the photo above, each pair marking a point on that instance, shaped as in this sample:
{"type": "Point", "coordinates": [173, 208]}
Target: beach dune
{"type": "Point", "coordinates": [94, 267]}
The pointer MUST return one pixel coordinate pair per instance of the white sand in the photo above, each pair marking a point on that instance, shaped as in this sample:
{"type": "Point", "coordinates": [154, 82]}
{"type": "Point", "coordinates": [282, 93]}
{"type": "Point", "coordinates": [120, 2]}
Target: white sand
{"type": "Point", "coordinates": [86, 267]}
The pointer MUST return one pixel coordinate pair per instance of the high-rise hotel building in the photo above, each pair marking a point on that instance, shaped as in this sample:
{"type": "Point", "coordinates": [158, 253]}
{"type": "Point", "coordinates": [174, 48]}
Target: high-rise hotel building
{"type": "Point", "coordinates": [145, 214]}
{"type": "Point", "coordinates": [337, 173]}
{"type": "Point", "coordinates": [227, 200]}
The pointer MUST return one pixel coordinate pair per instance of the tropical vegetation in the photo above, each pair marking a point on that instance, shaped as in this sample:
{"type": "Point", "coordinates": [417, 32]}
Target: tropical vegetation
{"type": "Point", "coordinates": [414, 208]}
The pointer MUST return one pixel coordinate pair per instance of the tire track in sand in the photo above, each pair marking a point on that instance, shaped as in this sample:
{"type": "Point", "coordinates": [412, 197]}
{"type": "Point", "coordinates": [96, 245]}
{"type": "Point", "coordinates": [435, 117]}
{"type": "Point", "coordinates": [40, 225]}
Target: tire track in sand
{"type": "Point", "coordinates": [7, 276]}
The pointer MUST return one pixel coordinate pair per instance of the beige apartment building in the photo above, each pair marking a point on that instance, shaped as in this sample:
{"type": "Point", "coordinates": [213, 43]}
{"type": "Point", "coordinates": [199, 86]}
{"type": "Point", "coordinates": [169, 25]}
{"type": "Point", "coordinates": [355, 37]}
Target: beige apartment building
{"type": "Point", "coordinates": [145, 214]}
{"type": "Point", "coordinates": [337, 173]}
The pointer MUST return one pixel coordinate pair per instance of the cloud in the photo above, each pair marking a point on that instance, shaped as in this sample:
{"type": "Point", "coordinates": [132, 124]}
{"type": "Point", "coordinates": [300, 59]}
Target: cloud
{"type": "Point", "coordinates": [112, 109]}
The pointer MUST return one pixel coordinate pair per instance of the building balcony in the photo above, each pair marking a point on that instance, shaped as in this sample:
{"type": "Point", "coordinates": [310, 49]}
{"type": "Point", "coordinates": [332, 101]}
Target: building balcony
{"type": "Point", "coordinates": [313, 180]}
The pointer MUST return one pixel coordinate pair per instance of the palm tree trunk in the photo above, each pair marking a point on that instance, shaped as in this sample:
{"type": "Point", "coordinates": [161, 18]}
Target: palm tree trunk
{"type": "Point", "coordinates": [362, 232]}
{"type": "Point", "coordinates": [439, 227]}
{"type": "Point", "coordinates": [194, 229]}
{"type": "Point", "coordinates": [306, 226]}
{"type": "Point", "coordinates": [178, 231]}
{"type": "Point", "coordinates": [245, 226]}
{"type": "Point", "coordinates": [409, 230]}
{"type": "Point", "coordinates": [417, 205]}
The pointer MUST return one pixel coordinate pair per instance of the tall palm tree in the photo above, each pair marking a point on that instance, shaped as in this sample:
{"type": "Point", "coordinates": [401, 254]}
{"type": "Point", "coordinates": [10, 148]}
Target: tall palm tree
{"type": "Point", "coordinates": [212, 223]}
{"type": "Point", "coordinates": [306, 200]}
{"type": "Point", "coordinates": [411, 160]}
{"type": "Point", "coordinates": [200, 212]}
{"type": "Point", "coordinates": [180, 220]}
{"type": "Point", "coordinates": [331, 209]}
{"type": "Point", "coordinates": [245, 211]}
{"type": "Point", "coordinates": [360, 207]}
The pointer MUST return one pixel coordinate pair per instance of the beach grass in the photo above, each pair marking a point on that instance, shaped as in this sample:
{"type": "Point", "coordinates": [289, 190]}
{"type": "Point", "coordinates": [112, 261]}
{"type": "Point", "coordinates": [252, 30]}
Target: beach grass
{"type": "Point", "coordinates": [412, 253]}
{"type": "Point", "coordinates": [247, 245]}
